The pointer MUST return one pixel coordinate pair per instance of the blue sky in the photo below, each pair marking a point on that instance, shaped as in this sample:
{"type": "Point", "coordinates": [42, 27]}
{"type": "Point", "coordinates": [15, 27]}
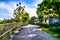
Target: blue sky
{"type": "Point", "coordinates": [7, 7]}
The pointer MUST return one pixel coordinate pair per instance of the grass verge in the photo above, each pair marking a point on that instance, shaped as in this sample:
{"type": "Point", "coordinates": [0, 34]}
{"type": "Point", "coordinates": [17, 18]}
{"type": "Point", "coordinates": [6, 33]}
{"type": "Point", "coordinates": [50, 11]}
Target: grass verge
{"type": "Point", "coordinates": [55, 34]}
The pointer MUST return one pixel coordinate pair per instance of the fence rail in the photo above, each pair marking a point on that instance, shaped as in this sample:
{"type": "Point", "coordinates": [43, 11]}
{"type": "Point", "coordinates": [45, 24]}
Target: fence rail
{"type": "Point", "coordinates": [7, 29]}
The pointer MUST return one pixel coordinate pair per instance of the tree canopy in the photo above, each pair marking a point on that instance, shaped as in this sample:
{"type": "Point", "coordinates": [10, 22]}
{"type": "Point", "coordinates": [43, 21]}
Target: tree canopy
{"type": "Point", "coordinates": [20, 15]}
{"type": "Point", "coordinates": [47, 7]}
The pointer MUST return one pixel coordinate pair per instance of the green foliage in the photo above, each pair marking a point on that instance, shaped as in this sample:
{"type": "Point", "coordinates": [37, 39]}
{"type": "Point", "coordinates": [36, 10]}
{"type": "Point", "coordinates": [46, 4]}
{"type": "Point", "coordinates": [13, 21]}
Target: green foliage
{"type": "Point", "coordinates": [5, 21]}
{"type": "Point", "coordinates": [20, 15]}
{"type": "Point", "coordinates": [45, 6]}
{"type": "Point", "coordinates": [55, 34]}
{"type": "Point", "coordinates": [55, 28]}
{"type": "Point", "coordinates": [43, 25]}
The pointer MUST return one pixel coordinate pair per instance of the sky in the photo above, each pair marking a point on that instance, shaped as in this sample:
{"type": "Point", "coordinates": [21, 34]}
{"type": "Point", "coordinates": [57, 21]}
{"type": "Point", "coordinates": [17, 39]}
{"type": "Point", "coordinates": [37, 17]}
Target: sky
{"type": "Point", "coordinates": [7, 7]}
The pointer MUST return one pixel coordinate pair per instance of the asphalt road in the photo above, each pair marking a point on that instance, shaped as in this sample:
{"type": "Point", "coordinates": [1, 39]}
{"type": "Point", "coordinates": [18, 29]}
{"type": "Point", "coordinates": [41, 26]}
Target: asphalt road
{"type": "Point", "coordinates": [31, 32]}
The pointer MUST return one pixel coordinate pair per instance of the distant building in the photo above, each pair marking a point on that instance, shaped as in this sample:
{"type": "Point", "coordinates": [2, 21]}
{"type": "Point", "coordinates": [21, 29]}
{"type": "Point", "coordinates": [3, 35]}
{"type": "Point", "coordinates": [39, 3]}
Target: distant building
{"type": "Point", "coordinates": [36, 21]}
{"type": "Point", "coordinates": [52, 20]}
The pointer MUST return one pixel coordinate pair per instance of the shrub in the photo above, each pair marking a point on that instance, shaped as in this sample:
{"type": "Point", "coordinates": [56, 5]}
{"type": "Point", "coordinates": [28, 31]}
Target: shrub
{"type": "Point", "coordinates": [55, 28]}
{"type": "Point", "coordinates": [43, 25]}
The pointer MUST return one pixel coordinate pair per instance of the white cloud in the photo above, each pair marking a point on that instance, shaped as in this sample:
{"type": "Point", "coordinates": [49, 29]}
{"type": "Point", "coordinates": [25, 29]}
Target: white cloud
{"type": "Point", "coordinates": [31, 8]}
{"type": "Point", "coordinates": [31, 11]}
{"type": "Point", "coordinates": [10, 6]}
{"type": "Point", "coordinates": [37, 2]}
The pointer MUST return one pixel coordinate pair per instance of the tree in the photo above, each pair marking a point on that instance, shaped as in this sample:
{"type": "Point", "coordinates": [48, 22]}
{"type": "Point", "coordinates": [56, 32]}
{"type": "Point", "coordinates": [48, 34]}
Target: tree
{"type": "Point", "coordinates": [25, 17]}
{"type": "Point", "coordinates": [20, 15]}
{"type": "Point", "coordinates": [11, 20]}
{"type": "Point", "coordinates": [40, 16]}
{"type": "Point", "coordinates": [45, 6]}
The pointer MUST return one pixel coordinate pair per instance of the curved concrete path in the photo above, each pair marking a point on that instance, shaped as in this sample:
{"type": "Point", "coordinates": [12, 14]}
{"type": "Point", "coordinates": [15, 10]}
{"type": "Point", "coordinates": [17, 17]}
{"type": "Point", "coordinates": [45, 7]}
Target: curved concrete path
{"type": "Point", "coordinates": [31, 32]}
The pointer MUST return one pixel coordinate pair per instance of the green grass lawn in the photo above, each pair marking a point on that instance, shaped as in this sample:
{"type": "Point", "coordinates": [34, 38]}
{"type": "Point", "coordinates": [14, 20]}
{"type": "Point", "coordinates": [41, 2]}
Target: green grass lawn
{"type": "Point", "coordinates": [55, 34]}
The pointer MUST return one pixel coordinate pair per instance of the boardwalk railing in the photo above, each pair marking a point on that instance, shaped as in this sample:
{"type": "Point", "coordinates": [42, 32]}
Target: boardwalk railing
{"type": "Point", "coordinates": [8, 29]}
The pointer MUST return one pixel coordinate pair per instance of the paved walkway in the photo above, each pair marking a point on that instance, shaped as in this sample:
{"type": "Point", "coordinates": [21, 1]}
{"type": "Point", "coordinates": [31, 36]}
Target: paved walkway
{"type": "Point", "coordinates": [31, 32]}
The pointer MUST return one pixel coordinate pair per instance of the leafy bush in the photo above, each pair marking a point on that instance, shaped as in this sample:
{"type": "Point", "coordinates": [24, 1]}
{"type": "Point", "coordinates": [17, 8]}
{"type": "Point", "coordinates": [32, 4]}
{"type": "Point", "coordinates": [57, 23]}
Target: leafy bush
{"type": "Point", "coordinates": [55, 28]}
{"type": "Point", "coordinates": [43, 25]}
